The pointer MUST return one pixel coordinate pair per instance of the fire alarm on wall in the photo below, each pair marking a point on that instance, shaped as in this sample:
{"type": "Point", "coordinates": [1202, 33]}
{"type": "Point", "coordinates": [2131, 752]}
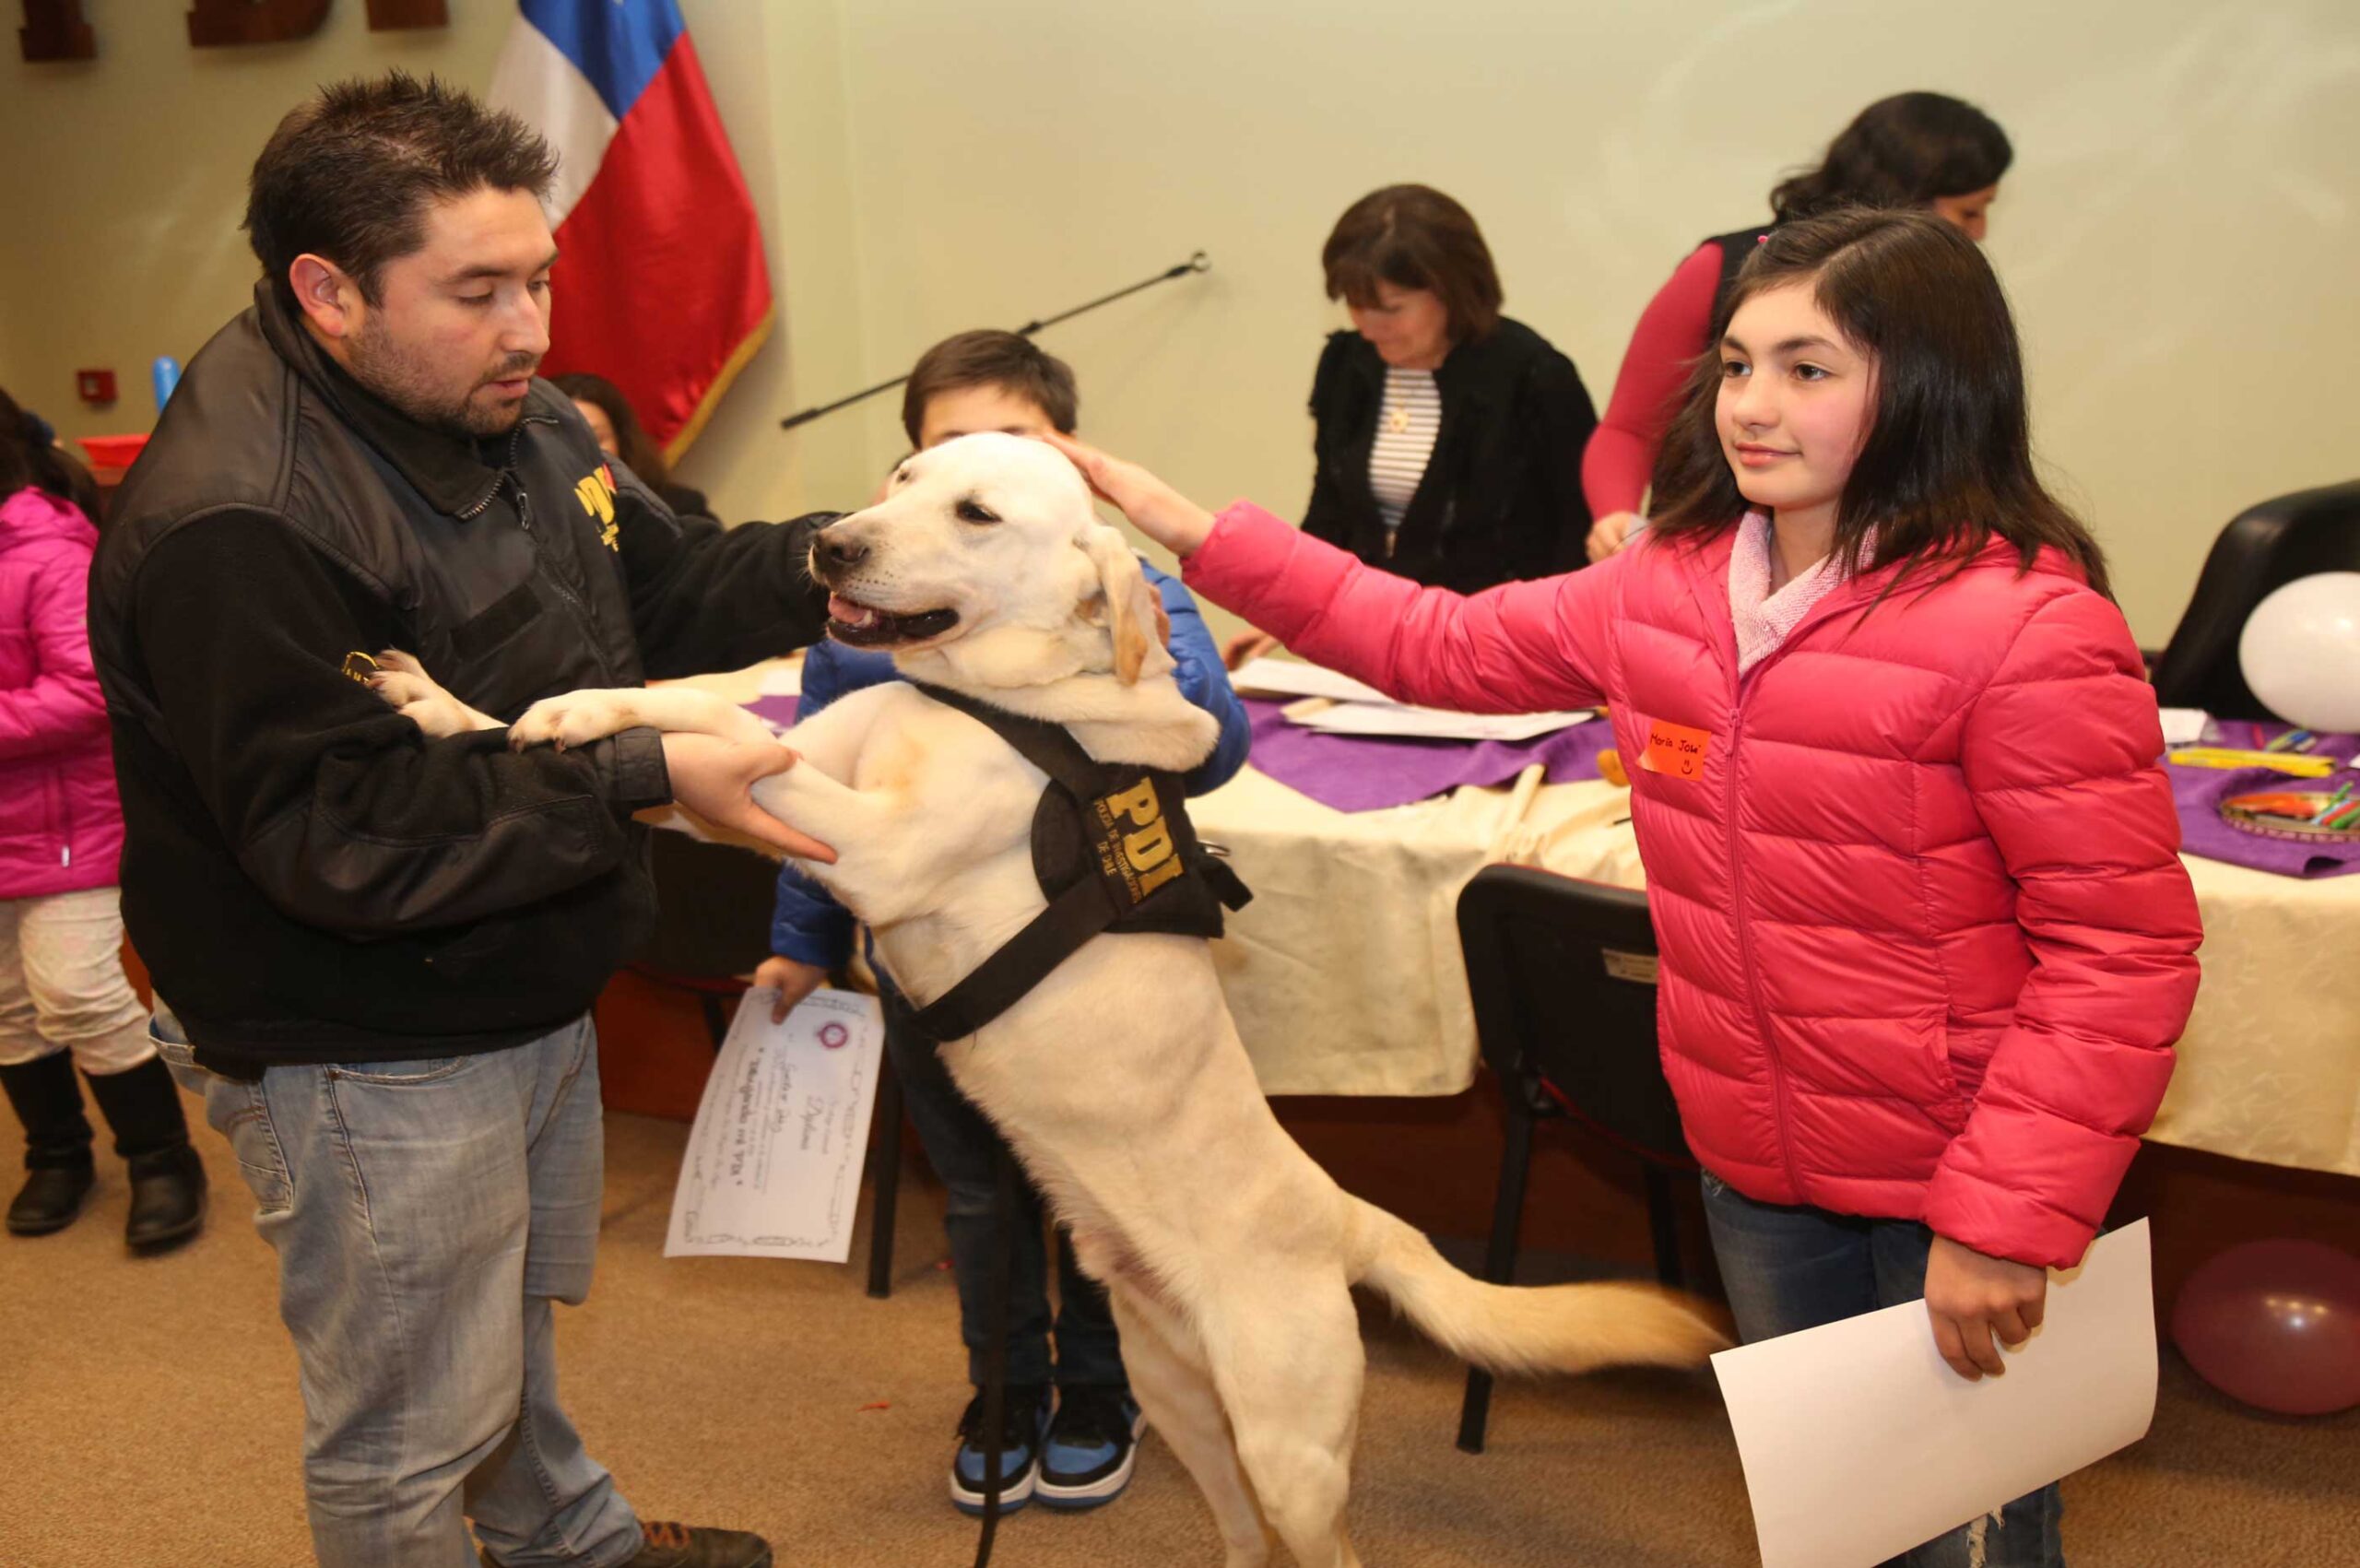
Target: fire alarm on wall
{"type": "Point", "coordinates": [95, 387]}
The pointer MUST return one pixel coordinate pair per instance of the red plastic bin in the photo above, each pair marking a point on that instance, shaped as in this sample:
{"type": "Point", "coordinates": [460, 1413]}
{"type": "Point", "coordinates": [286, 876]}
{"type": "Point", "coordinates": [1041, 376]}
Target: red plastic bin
{"type": "Point", "coordinates": [112, 451]}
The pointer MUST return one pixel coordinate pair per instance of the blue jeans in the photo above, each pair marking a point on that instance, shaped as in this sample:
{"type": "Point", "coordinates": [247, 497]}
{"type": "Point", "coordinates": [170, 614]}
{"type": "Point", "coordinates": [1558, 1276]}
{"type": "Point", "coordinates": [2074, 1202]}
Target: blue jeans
{"type": "Point", "coordinates": [1787, 1270]}
{"type": "Point", "coordinates": [961, 1143]}
{"type": "Point", "coordinates": [426, 1214]}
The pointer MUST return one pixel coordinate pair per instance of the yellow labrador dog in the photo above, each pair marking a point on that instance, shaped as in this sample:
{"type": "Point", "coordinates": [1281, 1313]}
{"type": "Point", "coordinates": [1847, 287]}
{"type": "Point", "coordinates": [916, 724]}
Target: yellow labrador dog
{"type": "Point", "coordinates": [1120, 1080]}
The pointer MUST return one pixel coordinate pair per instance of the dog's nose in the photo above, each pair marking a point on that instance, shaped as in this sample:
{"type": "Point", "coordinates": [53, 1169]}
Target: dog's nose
{"type": "Point", "coordinates": [837, 552]}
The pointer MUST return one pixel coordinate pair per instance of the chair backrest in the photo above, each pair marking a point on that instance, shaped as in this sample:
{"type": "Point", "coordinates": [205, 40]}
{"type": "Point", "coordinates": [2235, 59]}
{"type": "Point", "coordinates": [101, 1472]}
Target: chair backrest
{"type": "Point", "coordinates": [712, 909]}
{"type": "Point", "coordinates": [1563, 974]}
{"type": "Point", "coordinates": [2262, 549]}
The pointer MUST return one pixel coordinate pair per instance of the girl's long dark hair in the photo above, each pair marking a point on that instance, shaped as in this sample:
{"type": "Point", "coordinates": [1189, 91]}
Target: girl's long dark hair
{"type": "Point", "coordinates": [30, 459]}
{"type": "Point", "coordinates": [1946, 466]}
{"type": "Point", "coordinates": [1900, 151]}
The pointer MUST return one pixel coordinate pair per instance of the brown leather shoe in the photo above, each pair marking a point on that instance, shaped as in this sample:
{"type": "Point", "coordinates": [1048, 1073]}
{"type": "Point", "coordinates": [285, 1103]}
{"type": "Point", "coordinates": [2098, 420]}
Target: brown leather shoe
{"type": "Point", "coordinates": [668, 1544]}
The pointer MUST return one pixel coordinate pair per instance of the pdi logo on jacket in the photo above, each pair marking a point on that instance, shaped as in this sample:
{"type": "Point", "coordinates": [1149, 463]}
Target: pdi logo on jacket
{"type": "Point", "coordinates": [595, 491]}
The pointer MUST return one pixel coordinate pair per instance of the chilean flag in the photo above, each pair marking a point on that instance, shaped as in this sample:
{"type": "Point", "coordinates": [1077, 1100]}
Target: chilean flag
{"type": "Point", "coordinates": [660, 284]}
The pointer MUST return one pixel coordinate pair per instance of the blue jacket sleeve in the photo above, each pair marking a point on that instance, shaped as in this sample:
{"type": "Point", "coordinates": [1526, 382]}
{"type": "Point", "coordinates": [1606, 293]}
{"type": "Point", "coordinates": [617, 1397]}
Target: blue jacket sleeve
{"type": "Point", "coordinates": [1204, 682]}
{"type": "Point", "coordinates": [807, 924]}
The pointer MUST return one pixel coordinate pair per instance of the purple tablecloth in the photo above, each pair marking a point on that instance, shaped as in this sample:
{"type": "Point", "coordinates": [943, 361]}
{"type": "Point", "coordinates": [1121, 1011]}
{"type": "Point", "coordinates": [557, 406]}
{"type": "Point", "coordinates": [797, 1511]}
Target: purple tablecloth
{"type": "Point", "coordinates": [2199, 793]}
{"type": "Point", "coordinates": [1353, 772]}
{"type": "Point", "coordinates": [776, 712]}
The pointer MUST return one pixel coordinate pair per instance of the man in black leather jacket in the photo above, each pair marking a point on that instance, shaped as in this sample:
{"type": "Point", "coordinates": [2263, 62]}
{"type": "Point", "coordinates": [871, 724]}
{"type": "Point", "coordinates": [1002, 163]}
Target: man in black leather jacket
{"type": "Point", "coordinates": [375, 953]}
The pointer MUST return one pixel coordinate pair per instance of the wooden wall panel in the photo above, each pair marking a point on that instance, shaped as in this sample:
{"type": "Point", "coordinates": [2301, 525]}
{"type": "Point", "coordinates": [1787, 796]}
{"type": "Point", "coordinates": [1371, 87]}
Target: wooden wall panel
{"type": "Point", "coordinates": [55, 29]}
{"type": "Point", "coordinates": [217, 23]}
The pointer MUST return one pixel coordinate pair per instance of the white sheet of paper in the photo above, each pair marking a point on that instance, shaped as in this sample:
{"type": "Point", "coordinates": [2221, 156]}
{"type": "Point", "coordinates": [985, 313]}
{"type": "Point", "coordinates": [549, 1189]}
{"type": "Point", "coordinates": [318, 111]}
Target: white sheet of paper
{"type": "Point", "coordinates": [783, 678]}
{"type": "Point", "coordinates": [1363, 710]}
{"type": "Point", "coordinates": [1434, 723]}
{"type": "Point", "coordinates": [1860, 1443]}
{"type": "Point", "coordinates": [2184, 726]}
{"type": "Point", "coordinates": [1267, 677]}
{"type": "Point", "coordinates": [773, 1167]}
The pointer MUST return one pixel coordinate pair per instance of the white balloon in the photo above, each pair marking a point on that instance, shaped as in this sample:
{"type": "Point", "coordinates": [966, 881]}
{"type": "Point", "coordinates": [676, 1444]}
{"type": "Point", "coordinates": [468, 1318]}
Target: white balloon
{"type": "Point", "coordinates": [2300, 652]}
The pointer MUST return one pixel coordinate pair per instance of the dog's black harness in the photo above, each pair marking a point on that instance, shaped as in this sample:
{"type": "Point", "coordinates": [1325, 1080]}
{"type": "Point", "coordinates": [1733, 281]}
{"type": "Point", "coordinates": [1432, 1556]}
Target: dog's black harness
{"type": "Point", "coordinates": [1114, 851]}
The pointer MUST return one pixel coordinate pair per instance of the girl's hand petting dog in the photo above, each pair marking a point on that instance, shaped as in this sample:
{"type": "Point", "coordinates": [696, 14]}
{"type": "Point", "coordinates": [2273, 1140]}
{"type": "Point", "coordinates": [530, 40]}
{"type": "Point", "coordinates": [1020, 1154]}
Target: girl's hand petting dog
{"type": "Point", "coordinates": [1154, 508]}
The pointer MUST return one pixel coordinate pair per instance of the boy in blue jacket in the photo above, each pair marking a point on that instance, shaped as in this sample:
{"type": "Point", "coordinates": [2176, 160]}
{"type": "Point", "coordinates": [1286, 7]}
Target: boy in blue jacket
{"type": "Point", "coordinates": [1076, 1452]}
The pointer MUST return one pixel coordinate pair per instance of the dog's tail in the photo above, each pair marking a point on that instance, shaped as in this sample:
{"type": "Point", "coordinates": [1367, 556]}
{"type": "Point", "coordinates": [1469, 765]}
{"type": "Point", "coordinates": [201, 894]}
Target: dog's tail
{"type": "Point", "coordinates": [1529, 1328]}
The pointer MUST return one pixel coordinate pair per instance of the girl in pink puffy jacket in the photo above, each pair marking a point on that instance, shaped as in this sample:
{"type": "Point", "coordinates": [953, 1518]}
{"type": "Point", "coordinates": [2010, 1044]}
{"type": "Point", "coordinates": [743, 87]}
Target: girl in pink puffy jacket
{"type": "Point", "coordinates": [64, 1000]}
{"type": "Point", "coordinates": [1926, 940]}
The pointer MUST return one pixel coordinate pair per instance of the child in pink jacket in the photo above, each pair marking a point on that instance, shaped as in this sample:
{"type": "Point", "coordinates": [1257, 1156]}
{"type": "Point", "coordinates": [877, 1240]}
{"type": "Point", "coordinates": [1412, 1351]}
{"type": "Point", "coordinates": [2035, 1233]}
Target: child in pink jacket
{"type": "Point", "coordinates": [64, 1002]}
{"type": "Point", "coordinates": [1925, 940]}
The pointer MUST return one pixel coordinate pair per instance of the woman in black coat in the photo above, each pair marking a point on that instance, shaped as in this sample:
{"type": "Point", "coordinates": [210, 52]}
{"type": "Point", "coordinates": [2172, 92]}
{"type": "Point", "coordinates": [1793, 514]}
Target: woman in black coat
{"type": "Point", "coordinates": [1450, 437]}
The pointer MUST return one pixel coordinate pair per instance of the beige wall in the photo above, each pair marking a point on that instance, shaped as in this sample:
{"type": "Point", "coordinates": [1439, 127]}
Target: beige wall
{"type": "Point", "coordinates": [2177, 233]}
{"type": "Point", "coordinates": [124, 179]}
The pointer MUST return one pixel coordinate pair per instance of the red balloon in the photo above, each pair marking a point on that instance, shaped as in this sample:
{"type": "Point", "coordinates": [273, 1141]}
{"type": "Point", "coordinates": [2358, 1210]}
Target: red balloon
{"type": "Point", "coordinates": [2277, 1325]}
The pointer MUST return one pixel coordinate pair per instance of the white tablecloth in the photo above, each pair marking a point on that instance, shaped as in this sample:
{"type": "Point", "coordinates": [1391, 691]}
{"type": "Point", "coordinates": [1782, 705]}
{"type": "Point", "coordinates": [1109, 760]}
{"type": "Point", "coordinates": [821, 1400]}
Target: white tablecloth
{"type": "Point", "coordinates": [1344, 972]}
{"type": "Point", "coordinates": [1345, 978]}
{"type": "Point", "coordinates": [2270, 1069]}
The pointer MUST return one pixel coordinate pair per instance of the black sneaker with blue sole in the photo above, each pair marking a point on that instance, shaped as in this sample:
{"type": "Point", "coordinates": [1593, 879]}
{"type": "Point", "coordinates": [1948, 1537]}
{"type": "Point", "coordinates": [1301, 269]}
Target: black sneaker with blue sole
{"type": "Point", "coordinates": [1023, 1413]}
{"type": "Point", "coordinates": [1092, 1445]}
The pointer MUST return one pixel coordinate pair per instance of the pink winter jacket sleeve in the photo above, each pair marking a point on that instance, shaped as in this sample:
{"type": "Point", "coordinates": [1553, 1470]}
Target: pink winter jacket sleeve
{"type": "Point", "coordinates": [1670, 334]}
{"type": "Point", "coordinates": [1520, 648]}
{"type": "Point", "coordinates": [2060, 754]}
{"type": "Point", "coordinates": [60, 709]}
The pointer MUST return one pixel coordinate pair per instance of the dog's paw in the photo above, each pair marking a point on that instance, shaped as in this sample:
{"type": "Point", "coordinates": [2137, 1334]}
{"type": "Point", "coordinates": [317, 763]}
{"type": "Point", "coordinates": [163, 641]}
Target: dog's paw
{"type": "Point", "coordinates": [403, 689]}
{"type": "Point", "coordinates": [572, 718]}
{"type": "Point", "coordinates": [405, 686]}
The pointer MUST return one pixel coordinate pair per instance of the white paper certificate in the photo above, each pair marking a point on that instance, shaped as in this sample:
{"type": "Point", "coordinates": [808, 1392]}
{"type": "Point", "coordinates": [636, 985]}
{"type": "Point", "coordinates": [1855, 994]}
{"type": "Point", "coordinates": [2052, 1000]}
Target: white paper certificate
{"type": "Point", "coordinates": [1359, 709]}
{"type": "Point", "coordinates": [772, 1168]}
{"type": "Point", "coordinates": [1860, 1443]}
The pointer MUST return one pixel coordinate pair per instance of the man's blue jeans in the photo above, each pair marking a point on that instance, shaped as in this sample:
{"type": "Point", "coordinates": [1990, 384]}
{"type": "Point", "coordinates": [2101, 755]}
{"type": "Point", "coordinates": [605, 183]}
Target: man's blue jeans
{"type": "Point", "coordinates": [426, 1214]}
{"type": "Point", "coordinates": [1787, 1270]}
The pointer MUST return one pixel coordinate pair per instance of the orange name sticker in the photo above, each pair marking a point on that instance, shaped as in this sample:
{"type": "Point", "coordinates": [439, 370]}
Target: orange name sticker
{"type": "Point", "coordinates": [1675, 750]}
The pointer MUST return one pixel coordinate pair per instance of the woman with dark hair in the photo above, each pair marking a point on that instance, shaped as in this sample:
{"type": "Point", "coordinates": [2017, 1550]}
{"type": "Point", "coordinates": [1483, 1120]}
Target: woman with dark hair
{"type": "Point", "coordinates": [1448, 438]}
{"type": "Point", "coordinates": [1925, 940]}
{"type": "Point", "coordinates": [64, 1000]}
{"type": "Point", "coordinates": [1914, 149]}
{"type": "Point", "coordinates": [620, 435]}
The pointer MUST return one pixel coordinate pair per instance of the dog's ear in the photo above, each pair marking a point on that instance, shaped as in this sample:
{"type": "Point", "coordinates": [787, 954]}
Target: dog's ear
{"type": "Point", "coordinates": [1134, 612]}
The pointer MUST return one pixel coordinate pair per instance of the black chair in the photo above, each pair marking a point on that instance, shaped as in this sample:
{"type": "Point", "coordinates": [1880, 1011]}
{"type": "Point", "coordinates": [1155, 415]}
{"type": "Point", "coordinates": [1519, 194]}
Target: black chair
{"type": "Point", "coordinates": [712, 921]}
{"type": "Point", "coordinates": [2263, 548]}
{"type": "Point", "coordinates": [1563, 974]}
{"type": "Point", "coordinates": [714, 904]}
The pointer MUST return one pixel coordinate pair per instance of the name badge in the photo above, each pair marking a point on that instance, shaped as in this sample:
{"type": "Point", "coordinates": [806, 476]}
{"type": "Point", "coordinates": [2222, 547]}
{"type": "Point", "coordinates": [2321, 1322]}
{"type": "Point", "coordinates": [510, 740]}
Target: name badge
{"type": "Point", "coordinates": [1675, 750]}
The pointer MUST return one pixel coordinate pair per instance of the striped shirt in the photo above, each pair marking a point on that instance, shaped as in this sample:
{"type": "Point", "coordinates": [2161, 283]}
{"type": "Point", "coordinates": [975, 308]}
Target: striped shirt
{"type": "Point", "coordinates": [1406, 424]}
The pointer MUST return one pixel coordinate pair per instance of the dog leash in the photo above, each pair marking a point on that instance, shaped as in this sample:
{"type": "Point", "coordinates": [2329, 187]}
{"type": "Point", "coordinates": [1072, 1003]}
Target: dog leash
{"type": "Point", "coordinates": [999, 1286]}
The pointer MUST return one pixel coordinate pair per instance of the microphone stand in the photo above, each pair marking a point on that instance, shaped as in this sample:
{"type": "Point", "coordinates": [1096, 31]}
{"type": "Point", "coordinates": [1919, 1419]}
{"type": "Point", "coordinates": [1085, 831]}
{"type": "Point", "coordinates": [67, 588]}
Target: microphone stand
{"type": "Point", "coordinates": [1195, 263]}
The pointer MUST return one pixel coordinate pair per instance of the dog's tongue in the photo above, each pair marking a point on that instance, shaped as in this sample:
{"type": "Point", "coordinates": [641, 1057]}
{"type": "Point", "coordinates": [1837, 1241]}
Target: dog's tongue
{"type": "Point", "coordinates": [850, 614]}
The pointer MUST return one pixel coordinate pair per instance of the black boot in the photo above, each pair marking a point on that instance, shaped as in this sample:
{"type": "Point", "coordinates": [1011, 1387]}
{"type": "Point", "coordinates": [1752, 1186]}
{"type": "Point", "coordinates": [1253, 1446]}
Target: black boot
{"type": "Point", "coordinates": [143, 1106]}
{"type": "Point", "coordinates": [57, 1144]}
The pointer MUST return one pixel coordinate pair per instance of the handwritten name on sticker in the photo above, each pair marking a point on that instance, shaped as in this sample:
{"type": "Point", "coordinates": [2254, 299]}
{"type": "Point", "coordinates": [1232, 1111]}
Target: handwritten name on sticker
{"type": "Point", "coordinates": [1675, 750]}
